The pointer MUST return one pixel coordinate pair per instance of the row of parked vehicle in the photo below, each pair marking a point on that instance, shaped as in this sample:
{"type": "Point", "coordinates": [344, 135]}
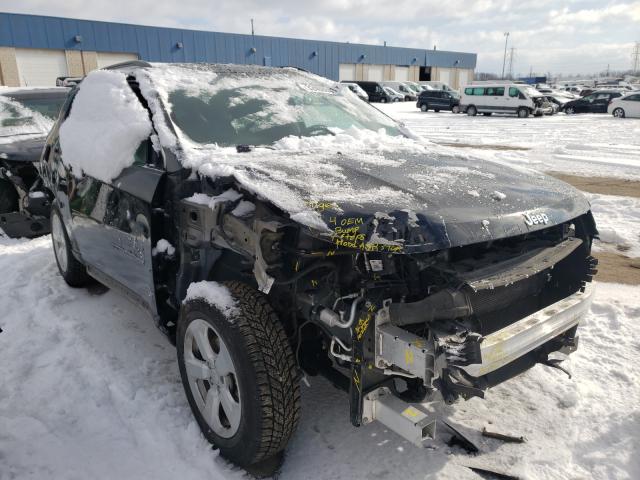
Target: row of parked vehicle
{"type": "Point", "coordinates": [524, 100]}
{"type": "Point", "coordinates": [394, 91]}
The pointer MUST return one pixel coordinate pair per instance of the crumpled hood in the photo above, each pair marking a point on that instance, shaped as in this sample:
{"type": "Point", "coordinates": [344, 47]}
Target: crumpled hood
{"type": "Point", "coordinates": [23, 149]}
{"type": "Point", "coordinates": [398, 201]}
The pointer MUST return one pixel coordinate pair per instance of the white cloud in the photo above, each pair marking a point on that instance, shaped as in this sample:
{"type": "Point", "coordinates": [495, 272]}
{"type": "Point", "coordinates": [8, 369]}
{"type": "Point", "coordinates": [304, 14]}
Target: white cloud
{"type": "Point", "coordinates": [563, 36]}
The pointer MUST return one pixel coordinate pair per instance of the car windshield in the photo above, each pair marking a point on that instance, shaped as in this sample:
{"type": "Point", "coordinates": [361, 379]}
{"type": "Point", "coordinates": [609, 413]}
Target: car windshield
{"type": "Point", "coordinates": [230, 111]}
{"type": "Point", "coordinates": [19, 116]}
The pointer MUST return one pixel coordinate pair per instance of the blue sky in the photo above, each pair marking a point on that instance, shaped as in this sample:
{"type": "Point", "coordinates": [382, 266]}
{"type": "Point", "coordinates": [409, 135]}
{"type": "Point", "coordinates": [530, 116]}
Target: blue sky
{"type": "Point", "coordinates": [549, 36]}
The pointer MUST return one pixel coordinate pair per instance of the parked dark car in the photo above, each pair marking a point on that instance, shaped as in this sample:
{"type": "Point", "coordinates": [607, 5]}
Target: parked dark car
{"type": "Point", "coordinates": [437, 100]}
{"type": "Point", "coordinates": [596, 102]}
{"type": "Point", "coordinates": [26, 115]}
{"type": "Point", "coordinates": [263, 259]}
{"type": "Point", "coordinates": [376, 91]}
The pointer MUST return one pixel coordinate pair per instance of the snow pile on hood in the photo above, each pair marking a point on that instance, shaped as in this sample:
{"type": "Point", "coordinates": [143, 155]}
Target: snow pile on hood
{"type": "Point", "coordinates": [216, 295]}
{"type": "Point", "coordinates": [106, 125]}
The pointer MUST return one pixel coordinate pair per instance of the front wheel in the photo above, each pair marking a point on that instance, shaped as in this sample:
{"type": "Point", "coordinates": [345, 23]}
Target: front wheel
{"type": "Point", "coordinates": [73, 272]}
{"type": "Point", "coordinates": [569, 110]}
{"type": "Point", "coordinates": [383, 100]}
{"type": "Point", "coordinates": [424, 107]}
{"type": "Point", "coordinates": [472, 111]}
{"type": "Point", "coordinates": [455, 109]}
{"type": "Point", "coordinates": [239, 374]}
{"type": "Point", "coordinates": [523, 112]}
{"type": "Point", "coordinates": [619, 112]}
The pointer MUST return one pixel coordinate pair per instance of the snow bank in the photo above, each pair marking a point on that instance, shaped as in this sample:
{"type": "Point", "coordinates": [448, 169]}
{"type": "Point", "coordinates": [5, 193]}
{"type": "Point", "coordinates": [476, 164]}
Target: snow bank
{"type": "Point", "coordinates": [106, 125]}
{"type": "Point", "coordinates": [216, 295]}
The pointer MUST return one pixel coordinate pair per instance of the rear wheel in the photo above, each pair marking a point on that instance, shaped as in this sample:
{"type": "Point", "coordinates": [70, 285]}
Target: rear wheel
{"type": "Point", "coordinates": [455, 109]}
{"type": "Point", "coordinates": [424, 107]}
{"type": "Point", "coordinates": [523, 112]}
{"type": "Point", "coordinates": [383, 100]}
{"type": "Point", "coordinates": [8, 197]}
{"type": "Point", "coordinates": [240, 377]}
{"type": "Point", "coordinates": [569, 110]}
{"type": "Point", "coordinates": [472, 111]}
{"type": "Point", "coordinates": [619, 112]}
{"type": "Point", "coordinates": [73, 272]}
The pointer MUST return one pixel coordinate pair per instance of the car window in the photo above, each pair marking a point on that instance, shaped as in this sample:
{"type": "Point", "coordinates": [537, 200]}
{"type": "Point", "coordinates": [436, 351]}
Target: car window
{"type": "Point", "coordinates": [589, 98]}
{"type": "Point", "coordinates": [478, 91]}
{"type": "Point", "coordinates": [513, 92]}
{"type": "Point", "coordinates": [633, 98]}
{"type": "Point", "coordinates": [500, 91]}
{"type": "Point", "coordinates": [468, 91]}
{"type": "Point", "coordinates": [141, 157]}
{"type": "Point", "coordinates": [603, 96]}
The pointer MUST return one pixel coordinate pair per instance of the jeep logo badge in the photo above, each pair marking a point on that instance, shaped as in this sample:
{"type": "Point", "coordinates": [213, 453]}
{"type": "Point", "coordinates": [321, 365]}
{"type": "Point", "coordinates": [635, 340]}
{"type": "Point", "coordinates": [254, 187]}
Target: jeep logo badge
{"type": "Point", "coordinates": [535, 218]}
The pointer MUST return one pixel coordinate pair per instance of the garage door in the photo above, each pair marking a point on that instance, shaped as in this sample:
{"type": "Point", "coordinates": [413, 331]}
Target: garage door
{"type": "Point", "coordinates": [402, 74]}
{"type": "Point", "coordinates": [107, 58]}
{"type": "Point", "coordinates": [444, 75]}
{"type": "Point", "coordinates": [347, 71]}
{"type": "Point", "coordinates": [375, 73]}
{"type": "Point", "coordinates": [40, 68]}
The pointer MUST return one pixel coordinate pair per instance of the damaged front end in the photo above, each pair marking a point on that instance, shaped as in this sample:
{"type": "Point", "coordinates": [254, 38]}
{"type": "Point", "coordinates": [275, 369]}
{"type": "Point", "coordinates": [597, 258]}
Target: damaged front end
{"type": "Point", "coordinates": [401, 329]}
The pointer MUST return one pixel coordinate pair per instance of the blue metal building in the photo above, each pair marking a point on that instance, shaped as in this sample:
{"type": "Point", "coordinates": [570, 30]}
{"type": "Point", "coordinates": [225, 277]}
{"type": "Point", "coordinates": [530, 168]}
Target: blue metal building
{"type": "Point", "coordinates": [84, 42]}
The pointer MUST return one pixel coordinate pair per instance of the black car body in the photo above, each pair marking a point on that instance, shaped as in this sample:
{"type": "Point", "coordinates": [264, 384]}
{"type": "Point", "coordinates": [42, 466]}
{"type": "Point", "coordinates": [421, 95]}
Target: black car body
{"type": "Point", "coordinates": [403, 274]}
{"type": "Point", "coordinates": [596, 102]}
{"type": "Point", "coordinates": [26, 115]}
{"type": "Point", "coordinates": [375, 90]}
{"type": "Point", "coordinates": [437, 100]}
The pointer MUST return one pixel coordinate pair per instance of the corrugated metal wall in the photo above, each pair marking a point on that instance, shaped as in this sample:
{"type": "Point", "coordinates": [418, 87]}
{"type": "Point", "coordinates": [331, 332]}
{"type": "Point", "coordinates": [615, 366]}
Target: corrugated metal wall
{"type": "Point", "coordinates": [158, 44]}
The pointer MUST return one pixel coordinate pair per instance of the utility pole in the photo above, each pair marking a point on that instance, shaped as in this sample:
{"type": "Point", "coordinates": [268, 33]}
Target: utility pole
{"type": "Point", "coordinates": [512, 53]}
{"type": "Point", "coordinates": [636, 58]}
{"type": "Point", "coordinates": [504, 59]}
{"type": "Point", "coordinates": [252, 27]}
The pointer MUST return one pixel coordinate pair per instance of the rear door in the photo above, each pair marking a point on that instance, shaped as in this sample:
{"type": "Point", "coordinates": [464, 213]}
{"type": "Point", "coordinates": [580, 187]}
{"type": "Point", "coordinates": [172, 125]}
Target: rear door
{"type": "Point", "coordinates": [631, 105]}
{"type": "Point", "coordinates": [601, 102]}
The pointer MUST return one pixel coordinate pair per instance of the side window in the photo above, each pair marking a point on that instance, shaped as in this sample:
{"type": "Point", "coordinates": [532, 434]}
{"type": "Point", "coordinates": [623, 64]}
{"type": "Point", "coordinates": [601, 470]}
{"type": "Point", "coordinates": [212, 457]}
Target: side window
{"type": "Point", "coordinates": [478, 91]}
{"type": "Point", "coordinates": [633, 98]}
{"type": "Point", "coordinates": [141, 157]}
{"type": "Point", "coordinates": [490, 91]}
{"type": "Point", "coordinates": [500, 91]}
{"type": "Point", "coordinates": [514, 92]}
{"type": "Point", "coordinates": [603, 96]}
{"type": "Point", "coordinates": [589, 98]}
{"type": "Point", "coordinates": [468, 91]}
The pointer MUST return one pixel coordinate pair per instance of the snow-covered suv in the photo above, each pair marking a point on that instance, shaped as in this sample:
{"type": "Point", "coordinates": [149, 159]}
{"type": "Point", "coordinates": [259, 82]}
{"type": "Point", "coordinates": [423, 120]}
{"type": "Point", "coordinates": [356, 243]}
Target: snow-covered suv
{"type": "Point", "coordinates": [275, 226]}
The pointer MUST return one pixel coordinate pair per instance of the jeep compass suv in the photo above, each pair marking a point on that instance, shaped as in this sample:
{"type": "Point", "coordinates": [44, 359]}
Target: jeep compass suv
{"type": "Point", "coordinates": [274, 225]}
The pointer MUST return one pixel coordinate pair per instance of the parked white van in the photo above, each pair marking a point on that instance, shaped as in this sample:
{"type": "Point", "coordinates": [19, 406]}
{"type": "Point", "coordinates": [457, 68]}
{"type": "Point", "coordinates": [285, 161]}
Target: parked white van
{"type": "Point", "coordinates": [516, 98]}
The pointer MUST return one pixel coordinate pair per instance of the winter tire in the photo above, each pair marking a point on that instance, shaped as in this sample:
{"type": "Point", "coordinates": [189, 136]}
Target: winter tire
{"type": "Point", "coordinates": [73, 272]}
{"type": "Point", "coordinates": [569, 111]}
{"type": "Point", "coordinates": [424, 107]}
{"type": "Point", "coordinates": [8, 197]}
{"type": "Point", "coordinates": [619, 113]}
{"type": "Point", "coordinates": [472, 111]}
{"type": "Point", "coordinates": [523, 112]}
{"type": "Point", "coordinates": [455, 109]}
{"type": "Point", "coordinates": [240, 378]}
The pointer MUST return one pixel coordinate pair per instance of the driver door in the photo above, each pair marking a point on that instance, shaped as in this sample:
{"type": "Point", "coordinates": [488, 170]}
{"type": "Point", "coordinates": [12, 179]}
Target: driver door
{"type": "Point", "coordinates": [112, 225]}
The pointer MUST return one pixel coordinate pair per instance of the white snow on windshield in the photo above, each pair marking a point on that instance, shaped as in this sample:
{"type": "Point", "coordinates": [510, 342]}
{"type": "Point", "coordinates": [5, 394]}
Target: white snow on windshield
{"type": "Point", "coordinates": [106, 125]}
{"type": "Point", "coordinates": [17, 120]}
{"type": "Point", "coordinates": [274, 173]}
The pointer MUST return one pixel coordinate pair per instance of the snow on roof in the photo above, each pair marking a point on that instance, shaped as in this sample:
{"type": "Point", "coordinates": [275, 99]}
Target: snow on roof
{"type": "Point", "coordinates": [105, 127]}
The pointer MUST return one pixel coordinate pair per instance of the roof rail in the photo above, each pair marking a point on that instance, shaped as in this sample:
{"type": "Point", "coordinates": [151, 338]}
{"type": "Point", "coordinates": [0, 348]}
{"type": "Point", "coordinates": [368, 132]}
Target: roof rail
{"type": "Point", "coordinates": [130, 63]}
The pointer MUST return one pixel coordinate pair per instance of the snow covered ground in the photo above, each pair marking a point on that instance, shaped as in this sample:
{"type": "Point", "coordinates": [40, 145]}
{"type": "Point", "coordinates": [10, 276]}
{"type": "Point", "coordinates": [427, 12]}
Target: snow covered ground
{"type": "Point", "coordinates": [90, 389]}
{"type": "Point", "coordinates": [589, 144]}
